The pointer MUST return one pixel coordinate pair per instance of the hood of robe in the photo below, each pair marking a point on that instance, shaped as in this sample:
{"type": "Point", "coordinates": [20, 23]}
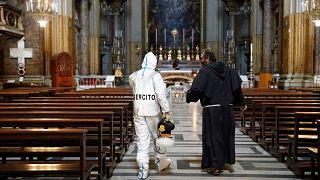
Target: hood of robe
{"type": "Point", "coordinates": [217, 68]}
{"type": "Point", "coordinates": [149, 61]}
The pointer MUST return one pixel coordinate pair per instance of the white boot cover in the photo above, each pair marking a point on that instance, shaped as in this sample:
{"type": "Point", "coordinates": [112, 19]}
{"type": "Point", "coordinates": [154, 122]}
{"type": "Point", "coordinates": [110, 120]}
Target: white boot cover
{"type": "Point", "coordinates": [143, 171]}
{"type": "Point", "coordinates": [162, 161]}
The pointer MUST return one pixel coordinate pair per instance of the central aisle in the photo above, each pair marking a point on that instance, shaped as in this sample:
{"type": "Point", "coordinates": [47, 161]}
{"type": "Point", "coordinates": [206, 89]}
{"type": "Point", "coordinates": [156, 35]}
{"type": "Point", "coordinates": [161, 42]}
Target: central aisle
{"type": "Point", "coordinates": [252, 162]}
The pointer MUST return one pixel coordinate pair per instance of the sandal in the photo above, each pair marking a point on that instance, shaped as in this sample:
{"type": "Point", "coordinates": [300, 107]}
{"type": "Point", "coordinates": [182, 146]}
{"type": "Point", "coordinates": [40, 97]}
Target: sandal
{"type": "Point", "coordinates": [214, 171]}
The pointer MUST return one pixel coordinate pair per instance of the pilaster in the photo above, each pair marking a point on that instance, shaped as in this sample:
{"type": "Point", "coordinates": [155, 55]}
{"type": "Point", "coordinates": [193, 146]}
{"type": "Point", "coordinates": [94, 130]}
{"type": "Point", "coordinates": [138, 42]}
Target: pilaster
{"type": "Point", "coordinates": [94, 46]}
{"type": "Point", "coordinates": [297, 51]}
{"type": "Point", "coordinates": [84, 42]}
{"type": "Point", "coordinates": [267, 37]}
{"type": "Point", "coordinates": [256, 35]}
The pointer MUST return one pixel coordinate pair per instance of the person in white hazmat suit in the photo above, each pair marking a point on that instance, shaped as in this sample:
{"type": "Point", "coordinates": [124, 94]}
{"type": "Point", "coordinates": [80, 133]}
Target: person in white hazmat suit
{"type": "Point", "coordinates": [149, 92]}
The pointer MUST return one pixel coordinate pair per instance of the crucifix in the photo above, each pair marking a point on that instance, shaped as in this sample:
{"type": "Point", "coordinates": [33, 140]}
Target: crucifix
{"type": "Point", "coordinates": [21, 53]}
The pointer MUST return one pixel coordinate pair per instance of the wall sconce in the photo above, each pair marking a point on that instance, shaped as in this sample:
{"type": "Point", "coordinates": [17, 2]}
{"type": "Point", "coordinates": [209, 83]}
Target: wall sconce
{"type": "Point", "coordinates": [137, 50]}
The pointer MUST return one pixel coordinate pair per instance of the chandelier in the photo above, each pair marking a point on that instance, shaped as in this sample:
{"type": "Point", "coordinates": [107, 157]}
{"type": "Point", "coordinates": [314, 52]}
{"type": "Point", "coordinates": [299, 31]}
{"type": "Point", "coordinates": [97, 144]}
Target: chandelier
{"type": "Point", "coordinates": [312, 7]}
{"type": "Point", "coordinates": [42, 10]}
{"type": "Point", "coordinates": [245, 8]}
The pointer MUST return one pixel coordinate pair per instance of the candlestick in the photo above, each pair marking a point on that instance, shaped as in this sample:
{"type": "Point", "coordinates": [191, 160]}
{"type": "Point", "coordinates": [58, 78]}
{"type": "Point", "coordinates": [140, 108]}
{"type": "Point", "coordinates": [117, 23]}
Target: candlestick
{"type": "Point", "coordinates": [251, 75]}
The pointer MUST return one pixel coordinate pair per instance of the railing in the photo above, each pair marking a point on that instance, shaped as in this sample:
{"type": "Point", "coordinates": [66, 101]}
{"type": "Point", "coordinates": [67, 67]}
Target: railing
{"type": "Point", "coordinates": [93, 81]}
{"type": "Point", "coordinates": [316, 80]}
{"type": "Point", "coordinates": [177, 92]}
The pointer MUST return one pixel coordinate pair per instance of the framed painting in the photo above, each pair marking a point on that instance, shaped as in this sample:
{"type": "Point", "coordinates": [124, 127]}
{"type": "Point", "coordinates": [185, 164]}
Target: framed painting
{"type": "Point", "coordinates": [173, 23]}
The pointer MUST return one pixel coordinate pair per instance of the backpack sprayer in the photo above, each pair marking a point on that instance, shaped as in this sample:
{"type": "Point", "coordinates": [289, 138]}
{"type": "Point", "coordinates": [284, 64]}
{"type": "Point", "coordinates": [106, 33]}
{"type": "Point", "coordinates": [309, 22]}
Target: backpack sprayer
{"type": "Point", "coordinates": [165, 138]}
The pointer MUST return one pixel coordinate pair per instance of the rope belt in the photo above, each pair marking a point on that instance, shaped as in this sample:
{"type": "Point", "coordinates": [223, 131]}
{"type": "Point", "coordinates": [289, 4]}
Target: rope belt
{"type": "Point", "coordinates": [214, 105]}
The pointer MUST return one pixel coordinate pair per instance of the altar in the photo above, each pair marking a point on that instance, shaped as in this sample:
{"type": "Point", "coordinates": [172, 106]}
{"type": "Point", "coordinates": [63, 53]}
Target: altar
{"type": "Point", "coordinates": [184, 72]}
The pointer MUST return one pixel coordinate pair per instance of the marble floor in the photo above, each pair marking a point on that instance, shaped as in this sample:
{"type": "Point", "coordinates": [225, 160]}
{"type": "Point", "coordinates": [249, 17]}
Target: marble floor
{"type": "Point", "coordinates": [252, 162]}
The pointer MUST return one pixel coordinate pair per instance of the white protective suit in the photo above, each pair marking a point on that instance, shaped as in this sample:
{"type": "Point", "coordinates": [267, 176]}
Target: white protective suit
{"type": "Point", "coordinates": [149, 92]}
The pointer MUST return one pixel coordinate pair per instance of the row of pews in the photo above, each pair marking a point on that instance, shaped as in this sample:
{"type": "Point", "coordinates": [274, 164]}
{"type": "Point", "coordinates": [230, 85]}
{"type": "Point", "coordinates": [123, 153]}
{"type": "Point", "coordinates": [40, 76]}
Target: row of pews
{"type": "Point", "coordinates": [64, 132]}
{"type": "Point", "coordinates": [285, 123]}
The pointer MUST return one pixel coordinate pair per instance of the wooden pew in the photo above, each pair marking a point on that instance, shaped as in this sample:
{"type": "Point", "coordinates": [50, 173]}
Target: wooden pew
{"type": "Point", "coordinates": [299, 140]}
{"type": "Point", "coordinates": [280, 122]}
{"type": "Point", "coordinates": [16, 94]}
{"type": "Point", "coordinates": [122, 94]}
{"type": "Point", "coordinates": [118, 117]}
{"type": "Point", "coordinates": [96, 94]}
{"type": "Point", "coordinates": [93, 151]}
{"type": "Point", "coordinates": [263, 108]}
{"type": "Point", "coordinates": [247, 126]}
{"type": "Point", "coordinates": [108, 89]}
{"type": "Point", "coordinates": [276, 118]}
{"type": "Point", "coordinates": [87, 100]}
{"type": "Point", "coordinates": [308, 89]}
{"type": "Point", "coordinates": [124, 107]}
{"type": "Point", "coordinates": [315, 153]}
{"type": "Point", "coordinates": [29, 92]}
{"type": "Point", "coordinates": [284, 126]}
{"type": "Point", "coordinates": [81, 169]}
{"type": "Point", "coordinates": [108, 139]}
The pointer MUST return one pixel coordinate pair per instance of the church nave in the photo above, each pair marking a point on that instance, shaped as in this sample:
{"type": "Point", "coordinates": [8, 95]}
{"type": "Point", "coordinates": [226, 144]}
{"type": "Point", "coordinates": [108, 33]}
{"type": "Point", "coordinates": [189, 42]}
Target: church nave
{"type": "Point", "coordinates": [252, 161]}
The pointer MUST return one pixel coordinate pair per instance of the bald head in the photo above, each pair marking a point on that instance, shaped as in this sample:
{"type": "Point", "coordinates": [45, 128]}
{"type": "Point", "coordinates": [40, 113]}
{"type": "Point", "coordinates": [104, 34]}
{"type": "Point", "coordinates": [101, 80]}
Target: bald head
{"type": "Point", "coordinates": [207, 57]}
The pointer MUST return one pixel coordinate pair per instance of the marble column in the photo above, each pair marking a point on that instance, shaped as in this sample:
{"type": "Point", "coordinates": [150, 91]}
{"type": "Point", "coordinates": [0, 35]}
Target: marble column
{"type": "Point", "coordinates": [267, 37]}
{"type": "Point", "coordinates": [59, 34]}
{"type": "Point", "coordinates": [297, 49]}
{"type": "Point", "coordinates": [316, 61]}
{"type": "Point", "coordinates": [84, 38]}
{"type": "Point", "coordinates": [135, 38]}
{"type": "Point", "coordinates": [118, 63]}
{"type": "Point", "coordinates": [213, 27]}
{"type": "Point", "coordinates": [256, 35]}
{"type": "Point", "coordinates": [316, 67]}
{"type": "Point", "coordinates": [232, 5]}
{"type": "Point", "coordinates": [94, 47]}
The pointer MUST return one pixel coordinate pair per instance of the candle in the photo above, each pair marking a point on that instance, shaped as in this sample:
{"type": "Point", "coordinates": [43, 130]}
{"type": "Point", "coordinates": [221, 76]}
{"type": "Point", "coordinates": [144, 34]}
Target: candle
{"type": "Point", "coordinates": [57, 7]}
{"type": "Point", "coordinates": [192, 36]}
{"type": "Point", "coordinates": [31, 6]}
{"type": "Point", "coordinates": [27, 4]}
{"type": "Point", "coordinates": [52, 8]}
{"type": "Point", "coordinates": [183, 36]}
{"type": "Point", "coordinates": [251, 53]}
{"type": "Point", "coordinates": [165, 35]}
{"type": "Point", "coordinates": [39, 4]}
{"type": "Point", "coordinates": [46, 5]}
{"type": "Point", "coordinates": [156, 36]}
{"type": "Point", "coordinates": [147, 35]}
